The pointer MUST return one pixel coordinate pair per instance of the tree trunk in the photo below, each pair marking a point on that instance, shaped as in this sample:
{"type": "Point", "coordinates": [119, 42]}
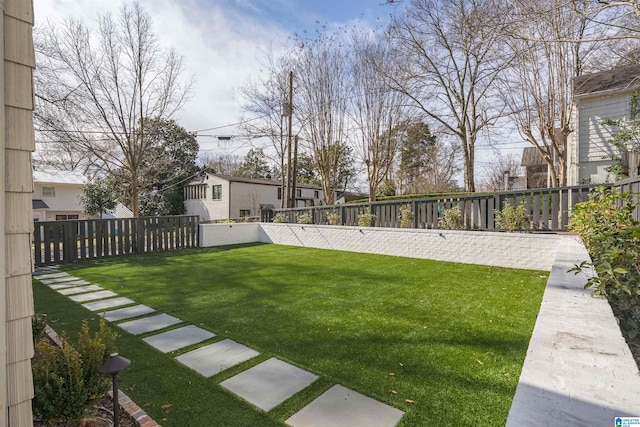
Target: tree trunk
{"type": "Point", "coordinates": [135, 208]}
{"type": "Point", "coordinates": [469, 158]}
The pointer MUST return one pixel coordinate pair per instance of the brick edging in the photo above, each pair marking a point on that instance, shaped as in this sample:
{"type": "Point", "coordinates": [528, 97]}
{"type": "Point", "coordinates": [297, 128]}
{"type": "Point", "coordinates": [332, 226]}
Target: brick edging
{"type": "Point", "coordinates": [135, 412]}
{"type": "Point", "coordinates": [140, 417]}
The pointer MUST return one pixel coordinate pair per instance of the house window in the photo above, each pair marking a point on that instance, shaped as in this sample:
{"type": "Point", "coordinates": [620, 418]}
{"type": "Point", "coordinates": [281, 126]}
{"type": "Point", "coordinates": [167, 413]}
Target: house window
{"type": "Point", "coordinates": [316, 194]}
{"type": "Point", "coordinates": [298, 193]}
{"type": "Point", "coordinates": [49, 191]}
{"type": "Point", "coordinates": [279, 193]}
{"type": "Point", "coordinates": [244, 213]}
{"type": "Point", "coordinates": [217, 192]}
{"type": "Point", "coordinates": [195, 192]}
{"type": "Point", "coordinates": [65, 217]}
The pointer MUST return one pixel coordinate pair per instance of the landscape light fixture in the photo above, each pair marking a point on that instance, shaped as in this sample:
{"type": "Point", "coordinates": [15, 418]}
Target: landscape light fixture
{"type": "Point", "coordinates": [114, 365]}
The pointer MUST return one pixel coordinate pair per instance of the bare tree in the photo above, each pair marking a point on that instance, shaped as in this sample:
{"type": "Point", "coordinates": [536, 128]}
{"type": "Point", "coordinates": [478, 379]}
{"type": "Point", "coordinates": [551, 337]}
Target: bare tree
{"type": "Point", "coordinates": [448, 60]}
{"type": "Point", "coordinates": [322, 103]}
{"type": "Point", "coordinates": [497, 167]}
{"type": "Point", "coordinates": [377, 109]}
{"type": "Point", "coordinates": [96, 88]}
{"type": "Point", "coordinates": [264, 101]}
{"type": "Point", "coordinates": [223, 164]}
{"type": "Point", "coordinates": [537, 88]}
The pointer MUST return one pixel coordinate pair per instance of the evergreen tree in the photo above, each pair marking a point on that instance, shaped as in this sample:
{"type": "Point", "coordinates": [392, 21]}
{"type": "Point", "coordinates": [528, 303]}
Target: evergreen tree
{"type": "Point", "coordinates": [169, 164]}
{"type": "Point", "coordinates": [98, 198]}
{"type": "Point", "coordinates": [256, 165]}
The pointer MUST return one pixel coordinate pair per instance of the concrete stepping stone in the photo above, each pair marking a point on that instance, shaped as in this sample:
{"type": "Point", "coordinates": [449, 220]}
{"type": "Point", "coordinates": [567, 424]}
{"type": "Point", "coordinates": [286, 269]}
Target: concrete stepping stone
{"type": "Point", "coordinates": [53, 275]}
{"type": "Point", "coordinates": [79, 289]}
{"type": "Point", "coordinates": [214, 358]}
{"type": "Point", "coordinates": [342, 407]}
{"type": "Point", "coordinates": [93, 295]}
{"type": "Point", "coordinates": [106, 304]}
{"type": "Point", "coordinates": [270, 383]}
{"type": "Point", "coordinates": [149, 324]}
{"type": "Point", "coordinates": [178, 338]}
{"type": "Point", "coordinates": [46, 270]}
{"type": "Point", "coordinates": [69, 284]}
{"type": "Point", "coordinates": [127, 312]}
{"type": "Point", "coordinates": [59, 280]}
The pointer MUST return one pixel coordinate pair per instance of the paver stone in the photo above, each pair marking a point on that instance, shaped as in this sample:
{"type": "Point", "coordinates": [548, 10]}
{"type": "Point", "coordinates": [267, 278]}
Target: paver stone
{"type": "Point", "coordinates": [270, 383]}
{"type": "Point", "coordinates": [214, 358]}
{"type": "Point", "coordinates": [178, 338]}
{"type": "Point", "coordinates": [342, 407]}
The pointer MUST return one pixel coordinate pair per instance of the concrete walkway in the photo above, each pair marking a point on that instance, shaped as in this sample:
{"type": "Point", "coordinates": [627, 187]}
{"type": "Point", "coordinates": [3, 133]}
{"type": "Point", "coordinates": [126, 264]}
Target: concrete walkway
{"type": "Point", "coordinates": [578, 370]}
{"type": "Point", "coordinates": [265, 385]}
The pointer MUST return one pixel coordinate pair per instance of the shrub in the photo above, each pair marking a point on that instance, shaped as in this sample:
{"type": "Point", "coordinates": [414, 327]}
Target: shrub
{"type": "Point", "coordinates": [452, 219]}
{"type": "Point", "coordinates": [280, 218]}
{"type": "Point", "coordinates": [304, 218]}
{"type": "Point", "coordinates": [94, 351]}
{"type": "Point", "coordinates": [512, 217]}
{"type": "Point", "coordinates": [227, 221]}
{"type": "Point", "coordinates": [66, 380]}
{"type": "Point", "coordinates": [366, 218]}
{"type": "Point", "coordinates": [606, 225]}
{"type": "Point", "coordinates": [59, 391]}
{"type": "Point", "coordinates": [406, 216]}
{"type": "Point", "coordinates": [333, 217]}
{"type": "Point", "coordinates": [38, 324]}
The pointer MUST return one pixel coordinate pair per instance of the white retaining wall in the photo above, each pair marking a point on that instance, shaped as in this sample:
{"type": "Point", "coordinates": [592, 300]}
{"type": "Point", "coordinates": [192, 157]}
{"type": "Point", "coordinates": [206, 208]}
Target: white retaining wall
{"type": "Point", "coordinates": [228, 234]}
{"type": "Point", "coordinates": [516, 250]}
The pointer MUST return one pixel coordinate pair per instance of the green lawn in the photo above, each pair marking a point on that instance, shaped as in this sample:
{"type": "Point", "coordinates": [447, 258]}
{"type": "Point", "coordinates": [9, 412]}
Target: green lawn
{"type": "Point", "coordinates": [443, 342]}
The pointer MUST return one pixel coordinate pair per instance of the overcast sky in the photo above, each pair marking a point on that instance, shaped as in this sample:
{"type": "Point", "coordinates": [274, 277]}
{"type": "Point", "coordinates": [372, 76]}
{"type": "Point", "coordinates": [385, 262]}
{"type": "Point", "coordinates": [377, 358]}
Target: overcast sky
{"type": "Point", "coordinates": [224, 41]}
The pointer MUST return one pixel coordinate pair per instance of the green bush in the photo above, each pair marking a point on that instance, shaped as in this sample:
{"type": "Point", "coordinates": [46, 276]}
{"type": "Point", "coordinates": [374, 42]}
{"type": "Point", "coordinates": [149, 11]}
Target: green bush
{"type": "Point", "coordinates": [66, 380]}
{"type": "Point", "coordinates": [38, 323]}
{"type": "Point", "coordinates": [406, 216]}
{"type": "Point", "coordinates": [94, 351]}
{"type": "Point", "coordinates": [59, 391]}
{"type": "Point", "coordinates": [333, 217]}
{"type": "Point", "coordinates": [304, 218]}
{"type": "Point", "coordinates": [280, 218]}
{"type": "Point", "coordinates": [452, 219]}
{"type": "Point", "coordinates": [366, 218]}
{"type": "Point", "coordinates": [606, 225]}
{"type": "Point", "coordinates": [513, 217]}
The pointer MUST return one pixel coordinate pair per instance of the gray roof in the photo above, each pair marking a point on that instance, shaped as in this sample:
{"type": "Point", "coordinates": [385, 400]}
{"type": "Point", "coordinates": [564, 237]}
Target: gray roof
{"type": "Point", "coordinates": [38, 204]}
{"type": "Point", "coordinates": [59, 177]}
{"type": "Point", "coordinates": [531, 156]}
{"type": "Point", "coordinates": [257, 181]}
{"type": "Point", "coordinates": [622, 78]}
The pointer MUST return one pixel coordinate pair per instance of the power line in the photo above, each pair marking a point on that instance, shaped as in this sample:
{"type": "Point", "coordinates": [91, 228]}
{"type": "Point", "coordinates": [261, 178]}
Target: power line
{"type": "Point", "coordinates": [232, 124]}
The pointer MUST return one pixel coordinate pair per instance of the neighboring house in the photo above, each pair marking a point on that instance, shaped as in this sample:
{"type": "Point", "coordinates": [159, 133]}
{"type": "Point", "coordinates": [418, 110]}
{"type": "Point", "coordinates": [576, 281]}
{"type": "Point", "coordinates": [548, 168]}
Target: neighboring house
{"type": "Point", "coordinates": [343, 197]}
{"type": "Point", "coordinates": [598, 97]}
{"type": "Point", "coordinates": [536, 168]}
{"type": "Point", "coordinates": [217, 197]}
{"type": "Point", "coordinates": [56, 196]}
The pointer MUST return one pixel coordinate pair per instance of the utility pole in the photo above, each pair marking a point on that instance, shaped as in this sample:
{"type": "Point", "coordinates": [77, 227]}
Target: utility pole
{"type": "Point", "coordinates": [283, 178]}
{"type": "Point", "coordinates": [295, 173]}
{"type": "Point", "coordinates": [289, 167]}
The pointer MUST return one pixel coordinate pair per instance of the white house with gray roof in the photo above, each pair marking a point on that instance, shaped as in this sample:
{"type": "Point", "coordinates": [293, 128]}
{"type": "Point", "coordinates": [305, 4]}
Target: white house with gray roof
{"type": "Point", "coordinates": [598, 97]}
{"type": "Point", "coordinates": [217, 197]}
{"type": "Point", "coordinates": [56, 196]}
